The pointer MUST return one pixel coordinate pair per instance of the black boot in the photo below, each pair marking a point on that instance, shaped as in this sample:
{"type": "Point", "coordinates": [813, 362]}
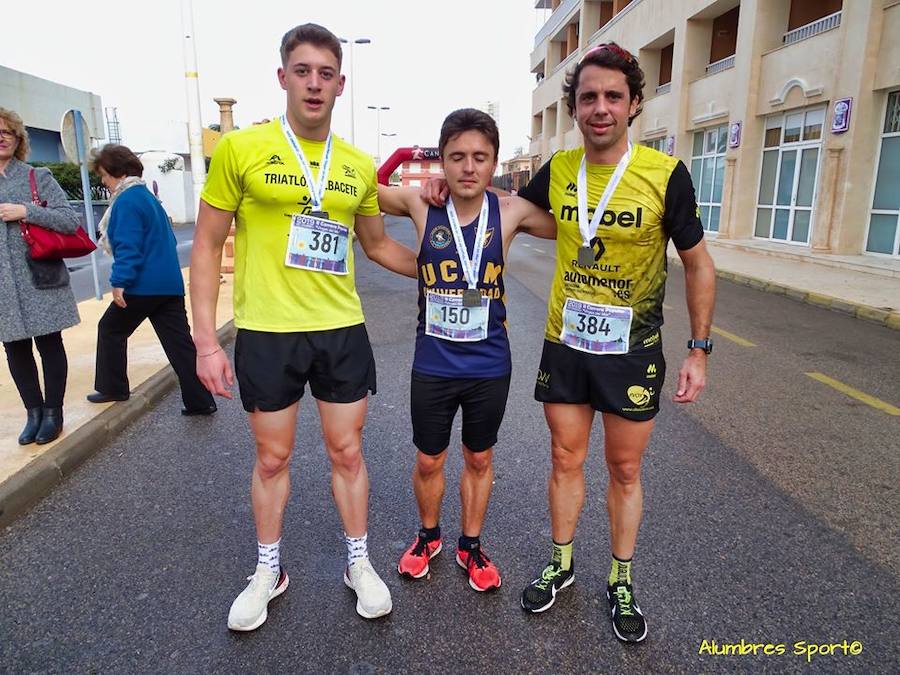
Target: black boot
{"type": "Point", "coordinates": [51, 426]}
{"type": "Point", "coordinates": [32, 424]}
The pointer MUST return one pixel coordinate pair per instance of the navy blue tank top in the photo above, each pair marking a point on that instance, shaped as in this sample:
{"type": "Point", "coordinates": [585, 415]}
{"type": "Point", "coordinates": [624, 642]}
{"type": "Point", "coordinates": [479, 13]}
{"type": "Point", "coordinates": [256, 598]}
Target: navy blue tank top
{"type": "Point", "coordinates": [440, 270]}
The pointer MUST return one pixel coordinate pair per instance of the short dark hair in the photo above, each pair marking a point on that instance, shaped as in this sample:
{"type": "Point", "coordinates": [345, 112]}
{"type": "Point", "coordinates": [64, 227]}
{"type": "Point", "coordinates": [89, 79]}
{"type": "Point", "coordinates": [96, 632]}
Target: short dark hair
{"type": "Point", "coordinates": [314, 34]}
{"type": "Point", "coordinates": [469, 119]}
{"type": "Point", "coordinates": [608, 55]}
{"type": "Point", "coordinates": [117, 161]}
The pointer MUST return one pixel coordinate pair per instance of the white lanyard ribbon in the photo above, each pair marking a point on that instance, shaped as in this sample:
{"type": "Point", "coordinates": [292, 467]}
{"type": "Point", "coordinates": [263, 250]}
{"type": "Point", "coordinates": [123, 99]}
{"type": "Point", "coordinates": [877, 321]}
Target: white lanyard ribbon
{"type": "Point", "coordinates": [471, 266]}
{"type": "Point", "coordinates": [316, 189]}
{"type": "Point", "coordinates": [588, 230]}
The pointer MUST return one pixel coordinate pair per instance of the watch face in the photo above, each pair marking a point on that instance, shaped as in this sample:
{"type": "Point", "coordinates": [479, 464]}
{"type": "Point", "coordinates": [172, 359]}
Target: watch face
{"type": "Point", "coordinates": [705, 345]}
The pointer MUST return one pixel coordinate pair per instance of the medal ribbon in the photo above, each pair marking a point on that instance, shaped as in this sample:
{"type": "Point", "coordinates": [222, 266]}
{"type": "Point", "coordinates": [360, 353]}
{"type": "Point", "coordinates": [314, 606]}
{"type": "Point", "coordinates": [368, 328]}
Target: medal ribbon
{"type": "Point", "coordinates": [316, 189]}
{"type": "Point", "coordinates": [588, 230]}
{"type": "Point", "coordinates": [471, 266]}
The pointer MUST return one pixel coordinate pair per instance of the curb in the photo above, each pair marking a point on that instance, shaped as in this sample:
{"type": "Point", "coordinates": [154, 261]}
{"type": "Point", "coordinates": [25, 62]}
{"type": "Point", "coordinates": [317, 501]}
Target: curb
{"type": "Point", "coordinates": [35, 480]}
{"type": "Point", "coordinates": [889, 319]}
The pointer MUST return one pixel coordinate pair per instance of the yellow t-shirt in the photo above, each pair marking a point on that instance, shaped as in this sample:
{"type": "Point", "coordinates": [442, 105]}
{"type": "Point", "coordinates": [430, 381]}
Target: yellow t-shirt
{"type": "Point", "coordinates": [255, 173]}
{"type": "Point", "coordinates": [653, 202]}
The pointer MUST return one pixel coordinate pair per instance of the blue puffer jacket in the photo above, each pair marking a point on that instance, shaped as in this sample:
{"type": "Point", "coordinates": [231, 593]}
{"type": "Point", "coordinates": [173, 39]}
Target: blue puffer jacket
{"type": "Point", "coordinates": [143, 246]}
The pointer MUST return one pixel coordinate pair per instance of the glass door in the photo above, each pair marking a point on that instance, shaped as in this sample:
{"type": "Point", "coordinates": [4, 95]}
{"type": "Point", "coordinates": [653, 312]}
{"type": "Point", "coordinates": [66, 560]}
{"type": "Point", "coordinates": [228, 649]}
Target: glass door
{"type": "Point", "coordinates": [787, 183]}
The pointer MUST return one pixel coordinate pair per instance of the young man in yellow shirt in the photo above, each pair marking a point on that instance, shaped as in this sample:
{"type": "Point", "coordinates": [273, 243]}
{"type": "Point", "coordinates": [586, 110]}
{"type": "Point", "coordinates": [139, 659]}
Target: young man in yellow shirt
{"type": "Point", "coordinates": [298, 195]}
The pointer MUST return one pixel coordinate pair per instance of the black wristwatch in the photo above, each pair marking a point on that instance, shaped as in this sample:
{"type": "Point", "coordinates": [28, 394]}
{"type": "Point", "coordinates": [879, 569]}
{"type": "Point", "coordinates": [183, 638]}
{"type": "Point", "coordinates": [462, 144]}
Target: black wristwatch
{"type": "Point", "coordinates": [706, 345]}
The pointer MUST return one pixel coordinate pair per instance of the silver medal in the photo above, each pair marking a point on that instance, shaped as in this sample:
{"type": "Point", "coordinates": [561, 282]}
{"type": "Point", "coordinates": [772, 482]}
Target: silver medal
{"type": "Point", "coordinates": [471, 297]}
{"type": "Point", "coordinates": [585, 256]}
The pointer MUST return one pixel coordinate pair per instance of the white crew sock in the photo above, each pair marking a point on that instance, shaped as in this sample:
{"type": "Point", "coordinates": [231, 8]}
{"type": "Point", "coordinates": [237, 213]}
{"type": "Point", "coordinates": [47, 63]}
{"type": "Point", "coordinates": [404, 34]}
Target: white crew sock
{"type": "Point", "coordinates": [269, 555]}
{"type": "Point", "coordinates": [357, 548]}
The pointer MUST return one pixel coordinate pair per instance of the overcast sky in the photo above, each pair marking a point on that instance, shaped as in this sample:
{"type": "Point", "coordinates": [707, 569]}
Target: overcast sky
{"type": "Point", "coordinates": [427, 58]}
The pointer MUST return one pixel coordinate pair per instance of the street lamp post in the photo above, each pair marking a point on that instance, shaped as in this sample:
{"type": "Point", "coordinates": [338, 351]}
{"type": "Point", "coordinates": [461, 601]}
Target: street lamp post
{"type": "Point", "coordinates": [357, 41]}
{"type": "Point", "coordinates": [195, 127]}
{"type": "Point", "coordinates": [378, 110]}
{"type": "Point", "coordinates": [385, 135]}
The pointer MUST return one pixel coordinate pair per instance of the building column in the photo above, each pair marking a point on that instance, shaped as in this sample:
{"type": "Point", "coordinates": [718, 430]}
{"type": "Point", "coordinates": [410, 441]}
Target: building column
{"type": "Point", "coordinates": [226, 116]}
{"type": "Point", "coordinates": [758, 26]}
{"type": "Point", "coordinates": [728, 192]}
{"type": "Point", "coordinates": [822, 240]}
{"type": "Point", "coordinates": [846, 198]}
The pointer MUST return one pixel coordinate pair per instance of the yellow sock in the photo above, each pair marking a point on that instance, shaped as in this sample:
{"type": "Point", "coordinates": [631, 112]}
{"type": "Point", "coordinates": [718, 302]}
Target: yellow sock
{"type": "Point", "coordinates": [562, 555]}
{"type": "Point", "coordinates": [621, 571]}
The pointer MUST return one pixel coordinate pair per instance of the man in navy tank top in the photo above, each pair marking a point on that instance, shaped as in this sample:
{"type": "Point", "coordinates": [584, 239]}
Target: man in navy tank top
{"type": "Point", "coordinates": [462, 357]}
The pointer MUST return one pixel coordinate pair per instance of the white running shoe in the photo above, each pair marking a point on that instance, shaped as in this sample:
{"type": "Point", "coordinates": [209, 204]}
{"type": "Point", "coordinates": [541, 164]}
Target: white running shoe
{"type": "Point", "coordinates": [373, 599]}
{"type": "Point", "coordinates": [249, 609]}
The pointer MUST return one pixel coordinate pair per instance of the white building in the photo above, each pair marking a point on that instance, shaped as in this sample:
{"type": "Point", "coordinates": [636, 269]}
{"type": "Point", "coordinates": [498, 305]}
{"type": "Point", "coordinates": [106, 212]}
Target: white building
{"type": "Point", "coordinates": [41, 104]}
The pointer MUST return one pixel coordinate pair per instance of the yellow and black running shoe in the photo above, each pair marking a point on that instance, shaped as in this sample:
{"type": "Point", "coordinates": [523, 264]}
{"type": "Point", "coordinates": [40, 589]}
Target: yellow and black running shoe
{"type": "Point", "coordinates": [627, 619]}
{"type": "Point", "coordinates": [540, 594]}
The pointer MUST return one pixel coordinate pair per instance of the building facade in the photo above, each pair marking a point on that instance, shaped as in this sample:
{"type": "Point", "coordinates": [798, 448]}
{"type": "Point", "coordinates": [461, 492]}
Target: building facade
{"type": "Point", "coordinates": [425, 164]}
{"type": "Point", "coordinates": [41, 104]}
{"type": "Point", "coordinates": [787, 112]}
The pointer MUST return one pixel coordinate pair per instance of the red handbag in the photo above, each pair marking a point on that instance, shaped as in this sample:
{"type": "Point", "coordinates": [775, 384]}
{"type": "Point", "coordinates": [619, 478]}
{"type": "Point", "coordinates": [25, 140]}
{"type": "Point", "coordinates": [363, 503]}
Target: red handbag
{"type": "Point", "coordinates": [44, 244]}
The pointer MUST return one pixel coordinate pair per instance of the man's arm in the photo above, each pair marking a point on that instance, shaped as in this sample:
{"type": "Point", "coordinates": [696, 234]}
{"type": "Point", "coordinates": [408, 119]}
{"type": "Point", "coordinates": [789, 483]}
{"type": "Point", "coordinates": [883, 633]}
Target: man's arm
{"type": "Point", "coordinates": [382, 249]}
{"type": "Point", "coordinates": [700, 289]}
{"type": "Point", "coordinates": [395, 200]}
{"type": "Point", "coordinates": [212, 229]}
{"type": "Point", "coordinates": [681, 221]}
{"type": "Point", "coordinates": [531, 219]}
{"type": "Point", "coordinates": [435, 192]}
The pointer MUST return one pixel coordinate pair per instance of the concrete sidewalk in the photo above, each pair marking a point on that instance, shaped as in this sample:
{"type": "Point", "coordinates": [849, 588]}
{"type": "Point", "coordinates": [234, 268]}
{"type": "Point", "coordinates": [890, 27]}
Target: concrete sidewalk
{"type": "Point", "coordinates": [858, 285]}
{"type": "Point", "coordinates": [29, 472]}
{"type": "Point", "coordinates": [862, 286]}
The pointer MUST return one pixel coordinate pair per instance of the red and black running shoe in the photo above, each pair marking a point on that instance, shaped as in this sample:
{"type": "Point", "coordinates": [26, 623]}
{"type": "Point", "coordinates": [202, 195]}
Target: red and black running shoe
{"type": "Point", "coordinates": [483, 574]}
{"type": "Point", "coordinates": [414, 562]}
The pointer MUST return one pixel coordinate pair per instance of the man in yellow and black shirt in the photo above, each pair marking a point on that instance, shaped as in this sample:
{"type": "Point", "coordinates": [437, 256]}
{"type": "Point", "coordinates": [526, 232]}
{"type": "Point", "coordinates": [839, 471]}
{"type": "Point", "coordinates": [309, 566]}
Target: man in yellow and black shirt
{"type": "Point", "coordinates": [603, 347]}
{"type": "Point", "coordinates": [299, 196]}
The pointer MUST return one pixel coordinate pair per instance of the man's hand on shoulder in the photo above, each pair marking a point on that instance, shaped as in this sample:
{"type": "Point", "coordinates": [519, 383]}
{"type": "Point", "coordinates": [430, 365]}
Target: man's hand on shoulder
{"type": "Point", "coordinates": [435, 191]}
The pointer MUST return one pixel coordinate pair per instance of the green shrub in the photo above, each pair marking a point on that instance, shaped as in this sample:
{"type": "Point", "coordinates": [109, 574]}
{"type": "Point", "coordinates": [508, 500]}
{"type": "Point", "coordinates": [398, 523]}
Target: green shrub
{"type": "Point", "coordinates": [68, 176]}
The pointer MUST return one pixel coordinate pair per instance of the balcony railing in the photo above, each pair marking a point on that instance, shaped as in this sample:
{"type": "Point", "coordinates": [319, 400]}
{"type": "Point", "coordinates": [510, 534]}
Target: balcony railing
{"type": "Point", "coordinates": [555, 22]}
{"type": "Point", "coordinates": [566, 62]}
{"type": "Point", "coordinates": [664, 88]}
{"type": "Point", "coordinates": [719, 66]}
{"type": "Point", "coordinates": [814, 28]}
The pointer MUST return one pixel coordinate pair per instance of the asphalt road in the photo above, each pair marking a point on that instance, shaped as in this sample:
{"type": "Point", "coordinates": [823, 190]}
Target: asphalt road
{"type": "Point", "coordinates": [771, 513]}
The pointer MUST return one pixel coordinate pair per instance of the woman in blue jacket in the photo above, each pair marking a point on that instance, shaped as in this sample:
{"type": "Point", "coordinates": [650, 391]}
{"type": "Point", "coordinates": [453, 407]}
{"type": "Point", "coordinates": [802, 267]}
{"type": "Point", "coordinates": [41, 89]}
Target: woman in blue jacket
{"type": "Point", "coordinates": [147, 284]}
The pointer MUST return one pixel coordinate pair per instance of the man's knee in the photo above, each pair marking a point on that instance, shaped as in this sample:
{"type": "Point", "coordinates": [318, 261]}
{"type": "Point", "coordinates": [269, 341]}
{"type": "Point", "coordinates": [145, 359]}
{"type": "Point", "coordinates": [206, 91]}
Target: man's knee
{"type": "Point", "coordinates": [565, 459]}
{"type": "Point", "coordinates": [428, 466]}
{"type": "Point", "coordinates": [270, 463]}
{"type": "Point", "coordinates": [478, 462]}
{"type": "Point", "coordinates": [346, 454]}
{"type": "Point", "coordinates": [625, 473]}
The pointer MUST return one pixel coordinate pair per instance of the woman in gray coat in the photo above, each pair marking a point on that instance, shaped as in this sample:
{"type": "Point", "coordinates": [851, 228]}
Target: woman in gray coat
{"type": "Point", "coordinates": [37, 301]}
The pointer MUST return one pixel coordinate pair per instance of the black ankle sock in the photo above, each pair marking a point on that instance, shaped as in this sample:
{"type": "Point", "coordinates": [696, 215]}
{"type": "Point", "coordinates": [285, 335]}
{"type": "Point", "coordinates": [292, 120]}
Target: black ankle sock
{"type": "Point", "coordinates": [430, 533]}
{"type": "Point", "coordinates": [469, 543]}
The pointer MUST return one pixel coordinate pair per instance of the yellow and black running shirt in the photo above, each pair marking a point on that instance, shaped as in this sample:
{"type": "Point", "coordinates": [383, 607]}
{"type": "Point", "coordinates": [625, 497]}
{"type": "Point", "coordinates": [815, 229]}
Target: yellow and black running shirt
{"type": "Point", "coordinates": [255, 173]}
{"type": "Point", "coordinates": [653, 203]}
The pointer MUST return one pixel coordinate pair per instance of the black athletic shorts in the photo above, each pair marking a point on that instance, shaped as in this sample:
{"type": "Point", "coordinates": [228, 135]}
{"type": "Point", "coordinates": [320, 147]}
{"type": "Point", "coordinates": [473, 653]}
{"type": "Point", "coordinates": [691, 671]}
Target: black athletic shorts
{"type": "Point", "coordinates": [627, 385]}
{"type": "Point", "coordinates": [435, 400]}
{"type": "Point", "coordinates": [273, 368]}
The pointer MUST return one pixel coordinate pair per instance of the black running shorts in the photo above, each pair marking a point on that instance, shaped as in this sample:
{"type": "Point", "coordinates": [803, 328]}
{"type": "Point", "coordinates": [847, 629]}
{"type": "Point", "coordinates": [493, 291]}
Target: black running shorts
{"type": "Point", "coordinates": [627, 385]}
{"type": "Point", "coordinates": [273, 368]}
{"type": "Point", "coordinates": [435, 400]}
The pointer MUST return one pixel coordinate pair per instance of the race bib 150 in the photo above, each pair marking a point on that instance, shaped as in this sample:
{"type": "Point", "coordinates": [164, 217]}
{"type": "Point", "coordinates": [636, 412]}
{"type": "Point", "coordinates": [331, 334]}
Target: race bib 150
{"type": "Point", "coordinates": [448, 319]}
